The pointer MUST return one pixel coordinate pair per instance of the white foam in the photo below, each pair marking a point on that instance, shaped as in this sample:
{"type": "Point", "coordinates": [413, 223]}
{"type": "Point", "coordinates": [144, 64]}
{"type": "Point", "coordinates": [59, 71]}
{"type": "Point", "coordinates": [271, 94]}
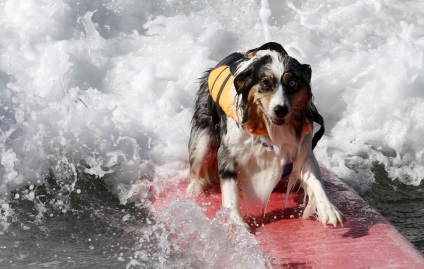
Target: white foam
{"type": "Point", "coordinates": [108, 88]}
{"type": "Point", "coordinates": [265, 13]}
{"type": "Point", "coordinates": [197, 242]}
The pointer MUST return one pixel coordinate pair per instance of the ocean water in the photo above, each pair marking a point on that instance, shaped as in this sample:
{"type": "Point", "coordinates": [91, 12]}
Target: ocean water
{"type": "Point", "coordinates": [95, 105]}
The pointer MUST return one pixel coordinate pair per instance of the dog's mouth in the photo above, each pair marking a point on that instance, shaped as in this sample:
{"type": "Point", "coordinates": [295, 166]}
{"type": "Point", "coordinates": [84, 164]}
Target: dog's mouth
{"type": "Point", "coordinates": [278, 121]}
{"type": "Point", "coordinates": [274, 120]}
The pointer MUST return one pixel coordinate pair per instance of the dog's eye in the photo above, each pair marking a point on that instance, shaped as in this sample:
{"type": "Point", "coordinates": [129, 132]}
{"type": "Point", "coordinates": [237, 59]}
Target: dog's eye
{"type": "Point", "coordinates": [265, 84]}
{"type": "Point", "coordinates": [291, 86]}
{"type": "Point", "coordinates": [292, 83]}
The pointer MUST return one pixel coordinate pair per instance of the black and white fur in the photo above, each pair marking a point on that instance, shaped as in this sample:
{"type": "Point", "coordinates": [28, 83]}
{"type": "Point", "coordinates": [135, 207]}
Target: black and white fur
{"type": "Point", "coordinates": [223, 153]}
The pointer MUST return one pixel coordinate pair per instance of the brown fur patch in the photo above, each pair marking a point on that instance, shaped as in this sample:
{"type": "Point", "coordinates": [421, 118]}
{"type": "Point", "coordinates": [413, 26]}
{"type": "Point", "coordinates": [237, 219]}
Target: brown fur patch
{"type": "Point", "coordinates": [256, 103]}
{"type": "Point", "coordinates": [299, 102]}
{"type": "Point", "coordinates": [203, 165]}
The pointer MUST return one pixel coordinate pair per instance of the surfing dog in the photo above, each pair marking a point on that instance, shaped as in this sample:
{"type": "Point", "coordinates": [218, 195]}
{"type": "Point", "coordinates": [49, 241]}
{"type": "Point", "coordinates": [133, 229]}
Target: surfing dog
{"type": "Point", "coordinates": [252, 126]}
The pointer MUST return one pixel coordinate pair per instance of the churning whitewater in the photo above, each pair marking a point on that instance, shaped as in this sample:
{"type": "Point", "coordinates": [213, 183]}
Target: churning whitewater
{"type": "Point", "coordinates": [104, 90]}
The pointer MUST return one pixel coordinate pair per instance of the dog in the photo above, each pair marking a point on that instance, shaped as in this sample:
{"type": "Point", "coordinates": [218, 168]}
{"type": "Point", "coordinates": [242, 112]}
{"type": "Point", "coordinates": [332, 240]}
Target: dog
{"type": "Point", "coordinates": [251, 127]}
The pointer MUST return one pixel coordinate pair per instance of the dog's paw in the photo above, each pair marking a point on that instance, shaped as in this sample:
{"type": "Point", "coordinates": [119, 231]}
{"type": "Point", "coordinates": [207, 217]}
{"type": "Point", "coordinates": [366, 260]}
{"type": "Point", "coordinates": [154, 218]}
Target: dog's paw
{"type": "Point", "coordinates": [327, 213]}
{"type": "Point", "coordinates": [236, 218]}
{"type": "Point", "coordinates": [194, 188]}
{"type": "Point", "coordinates": [330, 215]}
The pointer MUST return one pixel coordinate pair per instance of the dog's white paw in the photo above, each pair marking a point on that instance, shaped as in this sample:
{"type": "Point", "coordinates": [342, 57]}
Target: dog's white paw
{"type": "Point", "coordinates": [327, 213]}
{"type": "Point", "coordinates": [236, 218]}
{"type": "Point", "coordinates": [194, 188]}
{"type": "Point", "coordinates": [330, 215]}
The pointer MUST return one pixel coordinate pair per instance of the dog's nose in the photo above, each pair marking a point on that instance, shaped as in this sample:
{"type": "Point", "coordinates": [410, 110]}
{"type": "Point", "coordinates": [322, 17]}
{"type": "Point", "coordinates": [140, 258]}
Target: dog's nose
{"type": "Point", "coordinates": [281, 111]}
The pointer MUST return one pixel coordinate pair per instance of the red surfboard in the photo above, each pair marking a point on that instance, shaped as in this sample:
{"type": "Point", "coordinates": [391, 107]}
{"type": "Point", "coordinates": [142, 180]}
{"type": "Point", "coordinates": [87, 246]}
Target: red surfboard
{"type": "Point", "coordinates": [366, 241]}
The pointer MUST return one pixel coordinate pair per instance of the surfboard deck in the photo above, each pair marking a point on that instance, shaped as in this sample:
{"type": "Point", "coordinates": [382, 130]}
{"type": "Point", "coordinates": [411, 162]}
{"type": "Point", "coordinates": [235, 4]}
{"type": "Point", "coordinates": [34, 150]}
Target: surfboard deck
{"type": "Point", "coordinates": [367, 240]}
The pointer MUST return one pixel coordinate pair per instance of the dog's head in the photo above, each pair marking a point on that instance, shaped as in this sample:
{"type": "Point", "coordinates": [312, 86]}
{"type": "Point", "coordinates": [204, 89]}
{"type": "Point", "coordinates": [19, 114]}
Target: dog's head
{"type": "Point", "coordinates": [273, 90]}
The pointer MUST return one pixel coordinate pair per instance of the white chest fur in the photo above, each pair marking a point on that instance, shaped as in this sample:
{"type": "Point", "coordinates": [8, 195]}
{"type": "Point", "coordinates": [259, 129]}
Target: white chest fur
{"type": "Point", "coordinates": [260, 163]}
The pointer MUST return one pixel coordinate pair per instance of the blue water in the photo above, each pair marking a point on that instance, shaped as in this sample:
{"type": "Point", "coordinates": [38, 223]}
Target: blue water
{"type": "Point", "coordinates": [91, 234]}
{"type": "Point", "coordinates": [401, 204]}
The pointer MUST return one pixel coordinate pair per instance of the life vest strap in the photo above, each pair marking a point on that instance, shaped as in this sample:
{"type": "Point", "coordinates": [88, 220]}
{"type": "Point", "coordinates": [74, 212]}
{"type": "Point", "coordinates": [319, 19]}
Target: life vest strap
{"type": "Point", "coordinates": [320, 120]}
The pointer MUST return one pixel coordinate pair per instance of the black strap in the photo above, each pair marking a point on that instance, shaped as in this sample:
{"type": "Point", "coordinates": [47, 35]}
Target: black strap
{"type": "Point", "coordinates": [222, 88]}
{"type": "Point", "coordinates": [318, 119]}
{"type": "Point", "coordinates": [231, 59]}
{"type": "Point", "coordinates": [269, 46]}
{"type": "Point", "coordinates": [217, 77]}
{"type": "Point", "coordinates": [216, 112]}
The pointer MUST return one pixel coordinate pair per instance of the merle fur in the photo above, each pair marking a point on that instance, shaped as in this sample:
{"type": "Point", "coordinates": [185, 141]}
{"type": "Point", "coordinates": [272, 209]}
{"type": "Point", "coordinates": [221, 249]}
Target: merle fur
{"type": "Point", "coordinates": [208, 115]}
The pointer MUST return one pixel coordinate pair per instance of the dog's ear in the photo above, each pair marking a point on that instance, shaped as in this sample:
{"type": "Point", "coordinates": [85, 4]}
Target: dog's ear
{"type": "Point", "coordinates": [248, 77]}
{"type": "Point", "coordinates": [243, 79]}
{"type": "Point", "coordinates": [307, 72]}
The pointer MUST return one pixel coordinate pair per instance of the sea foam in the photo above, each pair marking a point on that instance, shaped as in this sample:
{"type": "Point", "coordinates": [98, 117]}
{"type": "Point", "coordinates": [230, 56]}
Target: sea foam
{"type": "Point", "coordinates": [107, 88]}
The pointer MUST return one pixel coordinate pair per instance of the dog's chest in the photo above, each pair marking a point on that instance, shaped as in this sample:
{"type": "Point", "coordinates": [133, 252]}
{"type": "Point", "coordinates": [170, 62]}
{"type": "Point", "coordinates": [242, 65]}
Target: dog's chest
{"type": "Point", "coordinates": [260, 164]}
{"type": "Point", "coordinates": [248, 149]}
{"type": "Point", "coordinates": [257, 157]}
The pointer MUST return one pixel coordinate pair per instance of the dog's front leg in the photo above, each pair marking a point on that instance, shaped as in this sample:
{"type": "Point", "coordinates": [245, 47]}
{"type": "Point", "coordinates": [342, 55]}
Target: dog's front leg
{"type": "Point", "coordinates": [229, 187]}
{"type": "Point", "coordinates": [318, 199]}
{"type": "Point", "coordinates": [230, 199]}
